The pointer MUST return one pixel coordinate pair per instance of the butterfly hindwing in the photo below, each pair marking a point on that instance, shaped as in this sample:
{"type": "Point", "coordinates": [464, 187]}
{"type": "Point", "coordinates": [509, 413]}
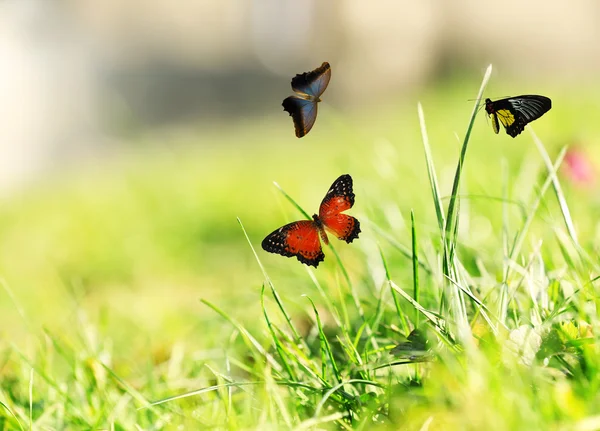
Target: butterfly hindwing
{"type": "Point", "coordinates": [312, 83]}
{"type": "Point", "coordinates": [339, 198]}
{"type": "Point", "coordinates": [516, 112]}
{"type": "Point", "coordinates": [300, 239]}
{"type": "Point", "coordinates": [303, 113]}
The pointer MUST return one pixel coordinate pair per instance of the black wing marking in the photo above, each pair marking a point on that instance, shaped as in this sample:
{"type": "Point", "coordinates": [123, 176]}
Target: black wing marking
{"type": "Point", "coordinates": [341, 187]}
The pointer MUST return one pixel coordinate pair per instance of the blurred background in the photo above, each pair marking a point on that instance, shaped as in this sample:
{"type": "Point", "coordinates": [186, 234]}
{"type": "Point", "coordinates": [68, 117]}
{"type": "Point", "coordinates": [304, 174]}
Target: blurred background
{"type": "Point", "coordinates": [134, 133]}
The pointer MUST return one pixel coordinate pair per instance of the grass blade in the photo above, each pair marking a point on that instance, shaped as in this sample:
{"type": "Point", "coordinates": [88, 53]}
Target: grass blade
{"type": "Point", "coordinates": [276, 341]}
{"type": "Point", "coordinates": [250, 340]}
{"type": "Point", "coordinates": [451, 217]}
{"type": "Point", "coordinates": [450, 233]}
{"type": "Point", "coordinates": [433, 182]}
{"type": "Point", "coordinates": [415, 262]}
{"type": "Point", "coordinates": [562, 202]}
{"type": "Point", "coordinates": [292, 201]}
{"type": "Point", "coordinates": [520, 238]}
{"type": "Point", "coordinates": [287, 317]}
{"type": "Point", "coordinates": [326, 353]}
{"type": "Point", "coordinates": [399, 311]}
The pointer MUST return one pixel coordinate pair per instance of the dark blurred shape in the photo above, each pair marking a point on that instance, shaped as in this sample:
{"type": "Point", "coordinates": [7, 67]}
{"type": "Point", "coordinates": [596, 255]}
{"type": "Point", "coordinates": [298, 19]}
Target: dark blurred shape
{"type": "Point", "coordinates": [417, 345]}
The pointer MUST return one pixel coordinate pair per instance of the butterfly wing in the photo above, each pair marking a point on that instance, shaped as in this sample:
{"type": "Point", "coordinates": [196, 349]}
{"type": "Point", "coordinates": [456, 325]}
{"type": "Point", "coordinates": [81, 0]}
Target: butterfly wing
{"type": "Point", "coordinates": [527, 108]}
{"type": "Point", "coordinates": [489, 108]}
{"type": "Point", "coordinates": [312, 83]}
{"type": "Point", "coordinates": [516, 112]}
{"type": "Point", "coordinates": [300, 239]}
{"type": "Point", "coordinates": [340, 197]}
{"type": "Point", "coordinates": [303, 113]}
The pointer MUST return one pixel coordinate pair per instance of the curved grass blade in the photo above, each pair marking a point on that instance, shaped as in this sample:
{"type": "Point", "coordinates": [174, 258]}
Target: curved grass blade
{"type": "Point", "coordinates": [399, 311]}
{"type": "Point", "coordinates": [562, 202]}
{"type": "Point", "coordinates": [250, 340]}
{"type": "Point", "coordinates": [13, 415]}
{"type": "Point", "coordinates": [433, 182]}
{"type": "Point", "coordinates": [292, 201]}
{"type": "Point", "coordinates": [278, 346]}
{"type": "Point", "coordinates": [326, 353]}
{"type": "Point", "coordinates": [452, 214]}
{"type": "Point", "coordinates": [287, 317]}
{"type": "Point", "coordinates": [415, 262]}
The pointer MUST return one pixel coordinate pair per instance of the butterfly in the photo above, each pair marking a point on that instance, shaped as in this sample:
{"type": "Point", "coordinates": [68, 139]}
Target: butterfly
{"type": "Point", "coordinates": [516, 112]}
{"type": "Point", "coordinates": [302, 106]}
{"type": "Point", "coordinates": [301, 238]}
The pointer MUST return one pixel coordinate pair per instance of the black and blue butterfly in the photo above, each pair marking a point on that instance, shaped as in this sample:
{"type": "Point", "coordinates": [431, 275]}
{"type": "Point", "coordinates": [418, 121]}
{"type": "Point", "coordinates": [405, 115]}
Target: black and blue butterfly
{"type": "Point", "coordinates": [302, 106]}
{"type": "Point", "coordinates": [516, 112]}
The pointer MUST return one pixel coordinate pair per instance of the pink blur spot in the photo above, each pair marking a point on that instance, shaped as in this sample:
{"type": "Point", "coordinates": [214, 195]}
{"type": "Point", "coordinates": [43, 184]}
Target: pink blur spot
{"type": "Point", "coordinates": [578, 167]}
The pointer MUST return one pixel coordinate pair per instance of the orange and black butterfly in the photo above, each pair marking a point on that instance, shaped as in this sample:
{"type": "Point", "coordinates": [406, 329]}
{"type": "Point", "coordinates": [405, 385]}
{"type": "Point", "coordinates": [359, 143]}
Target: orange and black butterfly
{"type": "Point", "coordinates": [516, 112]}
{"type": "Point", "coordinates": [301, 238]}
{"type": "Point", "coordinates": [302, 106]}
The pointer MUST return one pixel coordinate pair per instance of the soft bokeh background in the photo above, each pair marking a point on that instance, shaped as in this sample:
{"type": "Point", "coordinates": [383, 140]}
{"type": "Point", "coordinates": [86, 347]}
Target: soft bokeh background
{"type": "Point", "coordinates": [133, 133]}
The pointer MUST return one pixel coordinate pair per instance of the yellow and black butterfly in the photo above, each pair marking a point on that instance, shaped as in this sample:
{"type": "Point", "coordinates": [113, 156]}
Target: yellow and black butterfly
{"type": "Point", "coordinates": [516, 112]}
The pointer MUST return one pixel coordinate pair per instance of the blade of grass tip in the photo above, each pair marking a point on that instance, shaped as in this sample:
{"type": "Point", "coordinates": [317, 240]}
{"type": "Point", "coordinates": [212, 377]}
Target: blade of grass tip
{"type": "Point", "coordinates": [399, 311]}
{"type": "Point", "coordinates": [276, 342]}
{"type": "Point", "coordinates": [562, 202]}
{"type": "Point", "coordinates": [326, 353]}
{"type": "Point", "coordinates": [287, 317]}
{"type": "Point", "coordinates": [415, 261]}
{"type": "Point", "coordinates": [437, 322]}
{"type": "Point", "coordinates": [451, 227]}
{"type": "Point", "coordinates": [405, 251]}
{"type": "Point", "coordinates": [292, 201]}
{"type": "Point", "coordinates": [197, 392]}
{"type": "Point", "coordinates": [433, 182]}
{"type": "Point", "coordinates": [12, 414]}
{"type": "Point", "coordinates": [311, 423]}
{"type": "Point", "coordinates": [520, 238]}
{"type": "Point", "coordinates": [452, 209]}
{"type": "Point", "coordinates": [251, 341]}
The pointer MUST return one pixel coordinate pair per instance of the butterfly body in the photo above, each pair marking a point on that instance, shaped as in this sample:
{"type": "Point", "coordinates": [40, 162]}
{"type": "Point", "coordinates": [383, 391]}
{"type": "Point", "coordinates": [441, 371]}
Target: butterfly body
{"type": "Point", "coordinates": [302, 106]}
{"type": "Point", "coordinates": [514, 113]}
{"type": "Point", "coordinates": [303, 238]}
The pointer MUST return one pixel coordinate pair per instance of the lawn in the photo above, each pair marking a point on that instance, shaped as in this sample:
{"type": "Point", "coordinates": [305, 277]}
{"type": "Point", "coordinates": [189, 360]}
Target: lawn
{"type": "Point", "coordinates": [132, 299]}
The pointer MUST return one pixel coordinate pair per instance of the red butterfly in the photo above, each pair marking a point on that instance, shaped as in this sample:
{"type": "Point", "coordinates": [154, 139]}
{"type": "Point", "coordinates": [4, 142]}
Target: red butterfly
{"type": "Point", "coordinates": [301, 238]}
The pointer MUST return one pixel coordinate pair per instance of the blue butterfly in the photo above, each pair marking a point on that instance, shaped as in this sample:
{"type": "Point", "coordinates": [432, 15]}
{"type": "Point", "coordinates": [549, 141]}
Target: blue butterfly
{"type": "Point", "coordinates": [302, 106]}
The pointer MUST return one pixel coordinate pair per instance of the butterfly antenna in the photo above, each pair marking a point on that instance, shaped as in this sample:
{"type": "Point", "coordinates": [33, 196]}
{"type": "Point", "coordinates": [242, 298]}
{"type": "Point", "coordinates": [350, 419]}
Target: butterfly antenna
{"type": "Point", "coordinates": [479, 106]}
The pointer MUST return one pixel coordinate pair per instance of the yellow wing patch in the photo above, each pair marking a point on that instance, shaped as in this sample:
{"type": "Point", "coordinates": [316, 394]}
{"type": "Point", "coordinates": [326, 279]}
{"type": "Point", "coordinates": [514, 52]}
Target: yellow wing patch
{"type": "Point", "coordinates": [495, 124]}
{"type": "Point", "coordinates": [506, 117]}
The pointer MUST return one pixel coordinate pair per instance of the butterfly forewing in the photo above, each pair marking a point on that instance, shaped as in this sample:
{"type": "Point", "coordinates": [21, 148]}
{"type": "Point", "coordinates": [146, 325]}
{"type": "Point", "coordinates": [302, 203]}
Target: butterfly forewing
{"type": "Point", "coordinates": [312, 83]}
{"type": "Point", "coordinates": [516, 112]}
{"type": "Point", "coordinates": [339, 198]}
{"type": "Point", "coordinates": [300, 239]}
{"type": "Point", "coordinates": [303, 113]}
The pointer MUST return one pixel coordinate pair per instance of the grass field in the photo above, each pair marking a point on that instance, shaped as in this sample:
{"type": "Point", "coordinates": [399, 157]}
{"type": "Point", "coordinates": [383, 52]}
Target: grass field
{"type": "Point", "coordinates": [132, 299]}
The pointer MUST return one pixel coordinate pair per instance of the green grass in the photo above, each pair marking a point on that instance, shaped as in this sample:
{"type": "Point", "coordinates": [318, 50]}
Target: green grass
{"type": "Point", "coordinates": [136, 295]}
